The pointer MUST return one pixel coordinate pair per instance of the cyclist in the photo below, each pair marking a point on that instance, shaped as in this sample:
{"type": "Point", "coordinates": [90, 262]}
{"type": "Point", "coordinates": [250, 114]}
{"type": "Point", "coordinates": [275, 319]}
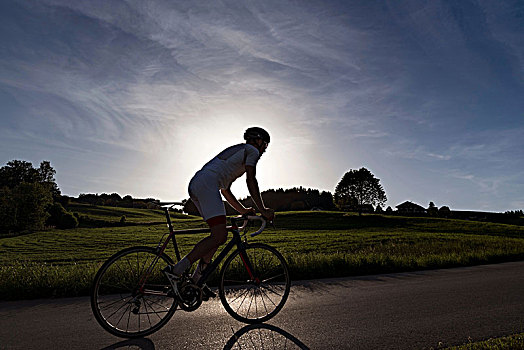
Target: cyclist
{"type": "Point", "coordinates": [205, 187]}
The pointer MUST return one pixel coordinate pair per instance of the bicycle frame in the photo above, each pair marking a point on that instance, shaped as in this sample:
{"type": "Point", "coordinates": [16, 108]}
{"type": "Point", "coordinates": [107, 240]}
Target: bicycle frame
{"type": "Point", "coordinates": [235, 241]}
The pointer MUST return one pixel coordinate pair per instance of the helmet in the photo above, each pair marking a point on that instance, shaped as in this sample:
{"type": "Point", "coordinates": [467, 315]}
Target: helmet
{"type": "Point", "coordinates": [256, 133]}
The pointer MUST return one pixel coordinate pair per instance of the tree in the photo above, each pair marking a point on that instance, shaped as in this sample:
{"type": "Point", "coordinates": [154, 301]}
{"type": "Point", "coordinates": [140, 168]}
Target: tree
{"type": "Point", "coordinates": [23, 207]}
{"type": "Point", "coordinates": [25, 195]}
{"type": "Point", "coordinates": [46, 175]}
{"type": "Point", "coordinates": [357, 188]}
{"type": "Point", "coordinates": [444, 212]}
{"type": "Point", "coordinates": [17, 171]}
{"type": "Point", "coordinates": [432, 209]}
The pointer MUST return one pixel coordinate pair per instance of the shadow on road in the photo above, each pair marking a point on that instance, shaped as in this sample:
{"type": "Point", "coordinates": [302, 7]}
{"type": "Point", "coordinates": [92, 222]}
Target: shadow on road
{"type": "Point", "coordinates": [259, 336]}
{"type": "Point", "coordinates": [140, 343]}
{"type": "Point", "coordinates": [263, 336]}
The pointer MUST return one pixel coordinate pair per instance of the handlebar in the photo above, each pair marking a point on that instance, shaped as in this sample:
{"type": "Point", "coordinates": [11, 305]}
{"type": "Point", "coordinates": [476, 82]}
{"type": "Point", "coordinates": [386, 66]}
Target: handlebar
{"type": "Point", "coordinates": [246, 219]}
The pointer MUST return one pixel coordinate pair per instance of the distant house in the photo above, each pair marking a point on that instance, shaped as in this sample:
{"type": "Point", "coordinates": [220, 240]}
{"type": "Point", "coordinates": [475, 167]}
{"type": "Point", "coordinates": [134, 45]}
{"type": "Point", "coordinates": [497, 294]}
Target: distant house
{"type": "Point", "coordinates": [410, 208]}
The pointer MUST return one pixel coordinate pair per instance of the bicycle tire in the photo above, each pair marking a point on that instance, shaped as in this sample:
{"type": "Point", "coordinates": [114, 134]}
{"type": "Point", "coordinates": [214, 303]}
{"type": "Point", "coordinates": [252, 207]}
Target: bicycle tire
{"type": "Point", "coordinates": [271, 283]}
{"type": "Point", "coordinates": [117, 302]}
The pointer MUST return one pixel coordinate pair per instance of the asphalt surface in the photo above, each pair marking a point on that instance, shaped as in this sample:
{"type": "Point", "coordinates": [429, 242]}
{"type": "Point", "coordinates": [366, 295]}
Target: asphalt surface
{"type": "Point", "coordinates": [418, 310]}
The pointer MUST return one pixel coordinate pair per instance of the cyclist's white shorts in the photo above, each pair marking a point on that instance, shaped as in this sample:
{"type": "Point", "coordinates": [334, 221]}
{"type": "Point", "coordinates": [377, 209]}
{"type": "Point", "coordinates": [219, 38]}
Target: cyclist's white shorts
{"type": "Point", "coordinates": [205, 193]}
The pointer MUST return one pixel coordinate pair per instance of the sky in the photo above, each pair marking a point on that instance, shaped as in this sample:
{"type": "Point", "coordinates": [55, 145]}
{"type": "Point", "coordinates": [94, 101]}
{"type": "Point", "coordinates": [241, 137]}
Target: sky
{"type": "Point", "coordinates": [133, 97]}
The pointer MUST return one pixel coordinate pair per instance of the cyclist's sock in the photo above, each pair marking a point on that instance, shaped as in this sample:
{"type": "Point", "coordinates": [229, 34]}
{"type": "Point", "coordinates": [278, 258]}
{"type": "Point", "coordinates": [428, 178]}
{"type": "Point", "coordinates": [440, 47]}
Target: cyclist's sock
{"type": "Point", "coordinates": [181, 266]}
{"type": "Point", "coordinates": [196, 274]}
{"type": "Point", "coordinates": [198, 271]}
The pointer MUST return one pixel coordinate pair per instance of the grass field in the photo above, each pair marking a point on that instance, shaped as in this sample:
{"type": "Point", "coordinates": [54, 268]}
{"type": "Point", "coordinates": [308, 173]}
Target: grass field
{"type": "Point", "coordinates": [512, 342]}
{"type": "Point", "coordinates": [316, 244]}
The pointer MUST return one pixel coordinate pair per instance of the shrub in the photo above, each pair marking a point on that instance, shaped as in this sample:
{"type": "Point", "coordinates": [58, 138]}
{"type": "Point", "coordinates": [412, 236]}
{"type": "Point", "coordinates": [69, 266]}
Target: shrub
{"type": "Point", "coordinates": [68, 220]}
{"type": "Point", "coordinates": [56, 211]}
{"type": "Point", "coordinates": [61, 218]}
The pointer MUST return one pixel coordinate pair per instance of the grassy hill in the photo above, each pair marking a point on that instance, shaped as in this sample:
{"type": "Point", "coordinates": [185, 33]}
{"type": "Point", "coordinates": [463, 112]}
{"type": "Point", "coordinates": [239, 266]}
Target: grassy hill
{"type": "Point", "coordinates": [316, 244]}
{"type": "Point", "coordinates": [102, 215]}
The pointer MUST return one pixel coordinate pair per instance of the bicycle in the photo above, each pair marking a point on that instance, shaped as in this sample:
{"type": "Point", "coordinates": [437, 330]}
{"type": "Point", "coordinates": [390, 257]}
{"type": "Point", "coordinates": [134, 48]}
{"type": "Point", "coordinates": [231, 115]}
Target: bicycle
{"type": "Point", "coordinates": [132, 296]}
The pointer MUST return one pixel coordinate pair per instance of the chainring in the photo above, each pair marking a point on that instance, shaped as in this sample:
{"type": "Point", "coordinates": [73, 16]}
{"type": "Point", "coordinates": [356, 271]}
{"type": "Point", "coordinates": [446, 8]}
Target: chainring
{"type": "Point", "coordinates": [189, 296]}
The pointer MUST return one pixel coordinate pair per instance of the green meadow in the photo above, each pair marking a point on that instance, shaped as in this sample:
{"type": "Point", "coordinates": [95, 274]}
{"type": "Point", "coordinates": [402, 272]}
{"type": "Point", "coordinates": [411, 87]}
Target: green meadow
{"type": "Point", "coordinates": [512, 342]}
{"type": "Point", "coordinates": [315, 244]}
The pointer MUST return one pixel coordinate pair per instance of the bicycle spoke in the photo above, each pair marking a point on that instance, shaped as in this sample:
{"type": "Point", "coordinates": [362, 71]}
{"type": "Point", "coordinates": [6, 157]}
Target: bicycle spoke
{"type": "Point", "coordinates": [256, 304]}
{"type": "Point", "coordinates": [272, 278]}
{"type": "Point", "coordinates": [123, 313]}
{"type": "Point", "coordinates": [146, 267]}
{"type": "Point", "coordinates": [270, 289]}
{"type": "Point", "coordinates": [154, 311]}
{"type": "Point", "coordinates": [162, 306]}
{"type": "Point", "coordinates": [275, 269]}
{"type": "Point", "coordinates": [268, 297]}
{"type": "Point", "coordinates": [117, 287]}
{"type": "Point", "coordinates": [249, 308]}
{"type": "Point", "coordinates": [122, 273]}
{"type": "Point", "coordinates": [128, 317]}
{"type": "Point", "coordinates": [247, 291]}
{"type": "Point", "coordinates": [138, 319]}
{"type": "Point", "coordinates": [147, 312]}
{"type": "Point", "coordinates": [126, 305]}
{"type": "Point", "coordinates": [235, 281]}
{"type": "Point", "coordinates": [263, 302]}
{"type": "Point", "coordinates": [112, 303]}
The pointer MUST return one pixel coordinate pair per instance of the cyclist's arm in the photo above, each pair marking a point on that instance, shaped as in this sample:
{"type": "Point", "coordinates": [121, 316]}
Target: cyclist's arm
{"type": "Point", "coordinates": [231, 199]}
{"type": "Point", "coordinates": [254, 191]}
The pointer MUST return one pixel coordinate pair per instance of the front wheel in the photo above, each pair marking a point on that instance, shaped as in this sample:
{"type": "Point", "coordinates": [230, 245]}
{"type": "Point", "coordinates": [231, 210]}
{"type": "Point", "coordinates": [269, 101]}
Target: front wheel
{"type": "Point", "coordinates": [131, 297]}
{"type": "Point", "coordinates": [254, 283]}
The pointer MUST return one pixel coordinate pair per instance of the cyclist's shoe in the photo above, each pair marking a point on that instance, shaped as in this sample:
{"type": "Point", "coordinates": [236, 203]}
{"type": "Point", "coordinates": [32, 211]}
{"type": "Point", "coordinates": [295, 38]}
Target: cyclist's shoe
{"type": "Point", "coordinates": [207, 293]}
{"type": "Point", "coordinates": [168, 271]}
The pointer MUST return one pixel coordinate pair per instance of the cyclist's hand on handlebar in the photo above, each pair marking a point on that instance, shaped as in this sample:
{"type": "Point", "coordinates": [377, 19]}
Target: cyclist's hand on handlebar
{"type": "Point", "coordinates": [268, 213]}
{"type": "Point", "coordinates": [249, 211]}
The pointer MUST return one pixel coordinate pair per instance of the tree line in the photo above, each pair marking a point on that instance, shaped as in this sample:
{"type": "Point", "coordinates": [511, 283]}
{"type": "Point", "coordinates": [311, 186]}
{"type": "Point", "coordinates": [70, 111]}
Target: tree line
{"type": "Point", "coordinates": [115, 200]}
{"type": "Point", "coordinates": [30, 199]}
{"type": "Point", "coordinates": [293, 199]}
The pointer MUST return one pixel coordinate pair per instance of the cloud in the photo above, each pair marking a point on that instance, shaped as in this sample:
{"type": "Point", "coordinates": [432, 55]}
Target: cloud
{"type": "Point", "coordinates": [423, 88]}
{"type": "Point", "coordinates": [485, 185]}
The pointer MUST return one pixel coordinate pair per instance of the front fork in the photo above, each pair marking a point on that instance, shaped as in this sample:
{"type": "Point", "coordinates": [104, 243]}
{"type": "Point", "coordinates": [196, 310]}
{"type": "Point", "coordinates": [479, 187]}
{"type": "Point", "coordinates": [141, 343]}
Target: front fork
{"type": "Point", "coordinates": [249, 267]}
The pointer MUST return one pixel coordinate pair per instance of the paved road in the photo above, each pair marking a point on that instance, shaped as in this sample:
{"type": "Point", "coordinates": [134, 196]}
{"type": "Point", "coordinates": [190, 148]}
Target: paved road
{"type": "Point", "coordinates": [416, 310]}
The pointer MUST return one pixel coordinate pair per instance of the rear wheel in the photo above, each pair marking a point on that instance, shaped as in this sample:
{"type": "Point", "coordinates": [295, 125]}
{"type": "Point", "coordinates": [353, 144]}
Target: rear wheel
{"type": "Point", "coordinates": [131, 297]}
{"type": "Point", "coordinates": [254, 283]}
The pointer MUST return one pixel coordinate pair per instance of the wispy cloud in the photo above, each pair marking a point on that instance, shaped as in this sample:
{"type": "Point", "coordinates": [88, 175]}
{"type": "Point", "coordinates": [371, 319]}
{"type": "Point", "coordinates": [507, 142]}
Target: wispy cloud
{"type": "Point", "coordinates": [485, 185]}
{"type": "Point", "coordinates": [422, 88]}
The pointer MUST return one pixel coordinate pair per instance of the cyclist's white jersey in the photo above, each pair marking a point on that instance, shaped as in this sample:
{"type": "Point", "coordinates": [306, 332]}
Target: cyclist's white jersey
{"type": "Point", "coordinates": [219, 173]}
{"type": "Point", "coordinates": [231, 163]}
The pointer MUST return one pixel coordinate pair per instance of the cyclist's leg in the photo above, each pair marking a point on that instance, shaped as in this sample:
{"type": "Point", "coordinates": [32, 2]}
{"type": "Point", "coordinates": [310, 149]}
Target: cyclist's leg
{"type": "Point", "coordinates": [205, 249]}
{"type": "Point", "coordinates": [208, 201]}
